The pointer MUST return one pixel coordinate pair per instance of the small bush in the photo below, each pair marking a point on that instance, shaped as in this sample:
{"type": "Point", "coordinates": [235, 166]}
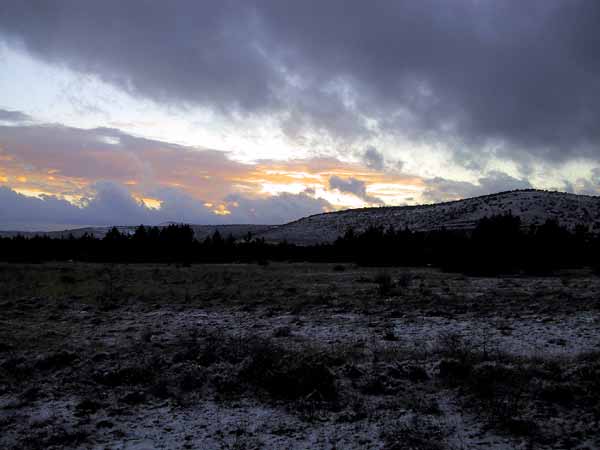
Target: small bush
{"type": "Point", "coordinates": [56, 361]}
{"type": "Point", "coordinates": [192, 379]}
{"type": "Point", "coordinates": [389, 331]}
{"type": "Point", "coordinates": [68, 279]}
{"type": "Point", "coordinates": [126, 376]}
{"type": "Point", "coordinates": [384, 283]}
{"type": "Point", "coordinates": [452, 345]}
{"type": "Point", "coordinates": [133, 398]}
{"type": "Point", "coordinates": [416, 374]}
{"type": "Point", "coordinates": [454, 370]}
{"type": "Point", "coordinates": [280, 332]}
{"type": "Point", "coordinates": [290, 375]}
{"type": "Point", "coordinates": [405, 280]}
{"type": "Point", "coordinates": [558, 393]}
{"type": "Point", "coordinates": [87, 407]}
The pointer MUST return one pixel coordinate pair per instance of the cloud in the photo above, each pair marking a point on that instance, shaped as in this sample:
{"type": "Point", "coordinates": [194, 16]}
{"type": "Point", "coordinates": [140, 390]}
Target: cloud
{"type": "Point", "coordinates": [277, 209]}
{"type": "Point", "coordinates": [69, 158]}
{"type": "Point", "coordinates": [486, 79]}
{"type": "Point", "coordinates": [65, 160]}
{"type": "Point", "coordinates": [108, 175]}
{"type": "Point", "coordinates": [441, 189]}
{"type": "Point", "coordinates": [353, 186]}
{"type": "Point", "coordinates": [13, 116]}
{"type": "Point", "coordinates": [112, 204]}
{"type": "Point", "coordinates": [373, 158]}
{"type": "Point", "coordinates": [109, 204]}
{"type": "Point", "coordinates": [586, 186]}
{"type": "Point", "coordinates": [17, 210]}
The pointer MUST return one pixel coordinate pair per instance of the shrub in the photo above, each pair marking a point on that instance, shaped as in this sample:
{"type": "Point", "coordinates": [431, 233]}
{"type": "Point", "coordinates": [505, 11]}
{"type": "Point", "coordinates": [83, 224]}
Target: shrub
{"type": "Point", "coordinates": [454, 370]}
{"type": "Point", "coordinates": [289, 374]}
{"type": "Point", "coordinates": [282, 332]}
{"type": "Point", "coordinates": [68, 279]}
{"type": "Point", "coordinates": [87, 406]}
{"type": "Point", "coordinates": [453, 346]}
{"type": "Point", "coordinates": [56, 361]}
{"type": "Point", "coordinates": [384, 283]}
{"type": "Point", "coordinates": [126, 376]}
{"type": "Point", "coordinates": [405, 280]}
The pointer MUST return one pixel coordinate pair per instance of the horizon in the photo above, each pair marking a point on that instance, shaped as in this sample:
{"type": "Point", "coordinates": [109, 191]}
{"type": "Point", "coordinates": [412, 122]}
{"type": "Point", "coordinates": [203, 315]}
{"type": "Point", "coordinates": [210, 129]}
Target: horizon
{"type": "Point", "coordinates": [264, 113]}
{"type": "Point", "coordinates": [56, 228]}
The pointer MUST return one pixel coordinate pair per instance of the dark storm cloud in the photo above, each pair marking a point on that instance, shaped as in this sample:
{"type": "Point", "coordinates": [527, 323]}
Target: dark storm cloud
{"type": "Point", "coordinates": [189, 52]}
{"type": "Point", "coordinates": [352, 186]}
{"type": "Point", "coordinates": [520, 79]}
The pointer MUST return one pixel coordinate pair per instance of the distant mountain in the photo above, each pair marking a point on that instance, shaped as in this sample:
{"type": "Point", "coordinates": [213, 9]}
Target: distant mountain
{"type": "Point", "coordinates": [532, 206]}
{"type": "Point", "coordinates": [200, 231]}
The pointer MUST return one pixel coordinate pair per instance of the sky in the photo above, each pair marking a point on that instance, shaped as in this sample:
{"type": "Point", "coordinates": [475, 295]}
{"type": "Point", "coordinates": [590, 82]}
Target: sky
{"type": "Point", "coordinates": [263, 112]}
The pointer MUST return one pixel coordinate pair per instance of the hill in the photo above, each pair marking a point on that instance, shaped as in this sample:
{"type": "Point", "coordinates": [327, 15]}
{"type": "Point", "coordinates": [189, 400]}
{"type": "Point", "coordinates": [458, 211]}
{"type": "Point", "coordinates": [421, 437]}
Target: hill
{"type": "Point", "coordinates": [533, 206]}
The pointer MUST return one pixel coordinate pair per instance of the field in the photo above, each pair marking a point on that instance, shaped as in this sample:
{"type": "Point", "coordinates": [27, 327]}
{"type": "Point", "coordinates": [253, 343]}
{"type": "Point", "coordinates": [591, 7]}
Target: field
{"type": "Point", "coordinates": [296, 356]}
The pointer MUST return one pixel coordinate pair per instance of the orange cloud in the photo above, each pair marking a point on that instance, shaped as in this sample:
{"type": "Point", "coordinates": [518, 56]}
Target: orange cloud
{"type": "Point", "coordinates": [66, 162]}
{"type": "Point", "coordinates": [297, 175]}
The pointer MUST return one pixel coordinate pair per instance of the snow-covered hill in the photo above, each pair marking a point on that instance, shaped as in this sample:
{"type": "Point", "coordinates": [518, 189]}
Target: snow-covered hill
{"type": "Point", "coordinates": [533, 206]}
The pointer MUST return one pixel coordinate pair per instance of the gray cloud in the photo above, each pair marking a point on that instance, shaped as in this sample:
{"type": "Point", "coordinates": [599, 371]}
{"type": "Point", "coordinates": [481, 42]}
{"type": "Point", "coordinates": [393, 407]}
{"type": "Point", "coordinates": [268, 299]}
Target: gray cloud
{"type": "Point", "coordinates": [281, 208]}
{"type": "Point", "coordinates": [13, 116]}
{"type": "Point", "coordinates": [352, 186]}
{"type": "Point", "coordinates": [514, 79]}
{"type": "Point", "coordinates": [441, 189]}
{"type": "Point", "coordinates": [373, 158]}
{"type": "Point", "coordinates": [109, 204]}
{"type": "Point", "coordinates": [194, 52]}
{"type": "Point", "coordinates": [112, 204]}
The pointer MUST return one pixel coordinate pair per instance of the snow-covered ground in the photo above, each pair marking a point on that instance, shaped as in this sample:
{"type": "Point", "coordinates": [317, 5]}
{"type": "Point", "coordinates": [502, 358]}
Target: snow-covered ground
{"type": "Point", "coordinates": [165, 363]}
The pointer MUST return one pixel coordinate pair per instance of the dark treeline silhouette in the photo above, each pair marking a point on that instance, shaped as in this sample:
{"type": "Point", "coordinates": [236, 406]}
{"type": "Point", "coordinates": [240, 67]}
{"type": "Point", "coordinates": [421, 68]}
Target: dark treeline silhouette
{"type": "Point", "coordinates": [172, 244]}
{"type": "Point", "coordinates": [496, 244]}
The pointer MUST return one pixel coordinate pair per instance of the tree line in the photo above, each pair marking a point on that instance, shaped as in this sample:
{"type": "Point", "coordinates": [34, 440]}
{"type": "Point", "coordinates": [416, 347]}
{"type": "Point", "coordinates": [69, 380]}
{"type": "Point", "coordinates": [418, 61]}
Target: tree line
{"type": "Point", "coordinates": [497, 244]}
